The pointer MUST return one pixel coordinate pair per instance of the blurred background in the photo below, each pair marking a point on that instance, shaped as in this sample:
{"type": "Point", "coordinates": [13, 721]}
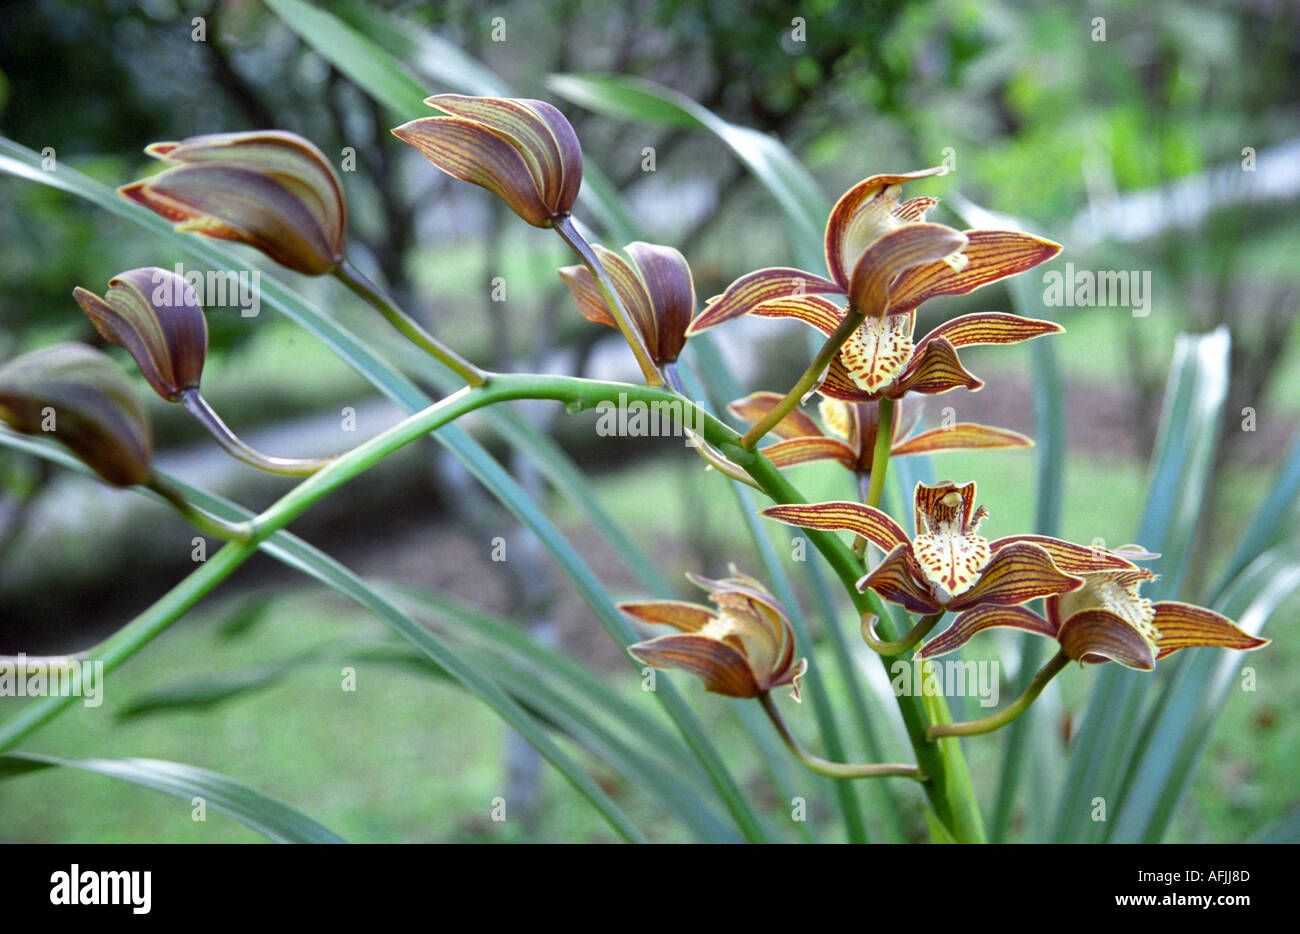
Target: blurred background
{"type": "Point", "coordinates": [1146, 136]}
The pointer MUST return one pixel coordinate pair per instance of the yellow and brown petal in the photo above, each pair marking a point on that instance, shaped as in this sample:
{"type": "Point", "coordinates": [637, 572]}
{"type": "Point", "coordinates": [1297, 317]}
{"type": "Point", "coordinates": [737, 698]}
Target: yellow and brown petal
{"type": "Point", "coordinates": [155, 315]}
{"type": "Point", "coordinates": [655, 288]}
{"type": "Point", "coordinates": [524, 151]}
{"type": "Point", "coordinates": [743, 648]}
{"type": "Point", "coordinates": [1106, 620]}
{"type": "Point", "coordinates": [272, 190]}
{"type": "Point", "coordinates": [78, 396]}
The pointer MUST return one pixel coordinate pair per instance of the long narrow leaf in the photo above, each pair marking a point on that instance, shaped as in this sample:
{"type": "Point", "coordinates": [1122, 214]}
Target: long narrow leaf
{"type": "Point", "coordinates": [272, 819]}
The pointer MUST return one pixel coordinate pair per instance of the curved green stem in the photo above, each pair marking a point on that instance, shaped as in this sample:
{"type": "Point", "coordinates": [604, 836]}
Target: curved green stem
{"type": "Point", "coordinates": [569, 234]}
{"type": "Point", "coordinates": [808, 382]}
{"type": "Point", "coordinates": [880, 453]}
{"type": "Point", "coordinates": [203, 521]}
{"type": "Point", "coordinates": [897, 646]}
{"type": "Point", "coordinates": [1011, 711]}
{"type": "Point", "coordinates": [948, 787]}
{"type": "Point", "coordinates": [197, 406]}
{"type": "Point", "coordinates": [355, 280]}
{"type": "Point", "coordinates": [834, 769]}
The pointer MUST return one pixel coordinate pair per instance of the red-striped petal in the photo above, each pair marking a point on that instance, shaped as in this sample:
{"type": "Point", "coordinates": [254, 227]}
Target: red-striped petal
{"type": "Point", "coordinates": [757, 287]}
{"type": "Point", "coordinates": [1092, 635]}
{"type": "Point", "coordinates": [872, 524]}
{"type": "Point", "coordinates": [822, 314]}
{"type": "Point", "coordinates": [1184, 626]}
{"type": "Point", "coordinates": [722, 667]}
{"type": "Point", "coordinates": [754, 407]}
{"type": "Point", "coordinates": [808, 450]}
{"type": "Point", "coordinates": [688, 617]}
{"type": "Point", "coordinates": [991, 327]}
{"type": "Point", "coordinates": [1016, 574]}
{"type": "Point", "coordinates": [935, 369]}
{"type": "Point", "coordinates": [990, 255]}
{"type": "Point", "coordinates": [1069, 557]}
{"type": "Point", "coordinates": [975, 621]}
{"type": "Point", "coordinates": [895, 579]}
{"type": "Point", "coordinates": [961, 436]}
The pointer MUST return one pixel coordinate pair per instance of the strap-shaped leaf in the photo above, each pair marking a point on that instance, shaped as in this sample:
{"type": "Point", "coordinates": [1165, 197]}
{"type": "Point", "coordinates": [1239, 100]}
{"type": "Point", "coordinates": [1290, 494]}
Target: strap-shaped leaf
{"type": "Point", "coordinates": [273, 819]}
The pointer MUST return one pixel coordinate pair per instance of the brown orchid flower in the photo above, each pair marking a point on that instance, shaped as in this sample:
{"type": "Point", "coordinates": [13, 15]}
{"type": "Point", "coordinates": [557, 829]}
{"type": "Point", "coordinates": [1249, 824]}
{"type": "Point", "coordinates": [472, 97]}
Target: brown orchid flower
{"type": "Point", "coordinates": [655, 288]}
{"type": "Point", "coordinates": [881, 359]}
{"type": "Point", "coordinates": [523, 151]}
{"type": "Point", "coordinates": [744, 648]}
{"type": "Point", "coordinates": [948, 565]}
{"type": "Point", "coordinates": [850, 434]}
{"type": "Point", "coordinates": [272, 190]}
{"type": "Point", "coordinates": [1105, 620]}
{"type": "Point", "coordinates": [865, 213]}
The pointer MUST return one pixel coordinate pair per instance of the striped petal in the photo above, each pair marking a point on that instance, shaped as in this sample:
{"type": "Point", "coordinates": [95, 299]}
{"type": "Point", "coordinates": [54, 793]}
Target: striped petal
{"type": "Point", "coordinates": [721, 666]}
{"type": "Point", "coordinates": [543, 136]}
{"type": "Point", "coordinates": [895, 579]}
{"type": "Point", "coordinates": [587, 295]}
{"type": "Point", "coordinates": [1016, 574]}
{"type": "Point", "coordinates": [155, 315]}
{"type": "Point", "coordinates": [1069, 557]}
{"type": "Point", "coordinates": [757, 287]}
{"type": "Point", "coordinates": [990, 255]}
{"type": "Point", "coordinates": [482, 156]}
{"type": "Point", "coordinates": [935, 369]}
{"type": "Point", "coordinates": [975, 621]}
{"type": "Point", "coordinates": [667, 280]}
{"type": "Point", "coordinates": [991, 327]}
{"type": "Point", "coordinates": [688, 617]}
{"type": "Point", "coordinates": [1100, 635]}
{"type": "Point", "coordinates": [632, 292]}
{"type": "Point", "coordinates": [95, 414]}
{"type": "Point", "coordinates": [754, 407]}
{"type": "Point", "coordinates": [894, 253]}
{"type": "Point", "coordinates": [824, 315]}
{"type": "Point", "coordinates": [808, 450]}
{"type": "Point", "coordinates": [961, 436]}
{"type": "Point", "coordinates": [865, 212]}
{"type": "Point", "coordinates": [1184, 626]}
{"type": "Point", "coordinates": [231, 203]}
{"type": "Point", "coordinates": [287, 158]}
{"type": "Point", "coordinates": [872, 524]}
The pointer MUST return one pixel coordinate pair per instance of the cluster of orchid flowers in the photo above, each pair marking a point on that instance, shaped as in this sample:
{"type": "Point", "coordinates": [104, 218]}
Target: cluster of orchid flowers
{"type": "Point", "coordinates": [278, 193]}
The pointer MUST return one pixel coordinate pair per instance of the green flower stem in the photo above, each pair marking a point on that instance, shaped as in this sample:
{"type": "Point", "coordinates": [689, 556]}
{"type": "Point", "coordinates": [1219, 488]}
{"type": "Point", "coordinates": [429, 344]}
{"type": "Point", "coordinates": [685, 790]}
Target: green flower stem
{"type": "Point", "coordinates": [355, 280]}
{"type": "Point", "coordinates": [197, 406]}
{"type": "Point", "coordinates": [834, 769]}
{"type": "Point", "coordinates": [203, 521]}
{"type": "Point", "coordinates": [880, 453]}
{"type": "Point", "coordinates": [898, 646]}
{"type": "Point", "coordinates": [1011, 711]}
{"type": "Point", "coordinates": [569, 234]}
{"type": "Point", "coordinates": [808, 382]}
{"type": "Point", "coordinates": [948, 787]}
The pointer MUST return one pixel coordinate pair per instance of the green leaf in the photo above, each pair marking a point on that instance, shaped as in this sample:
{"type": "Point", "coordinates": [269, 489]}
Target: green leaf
{"type": "Point", "coordinates": [272, 819]}
{"type": "Point", "coordinates": [1273, 515]}
{"type": "Point", "coordinates": [1182, 468]}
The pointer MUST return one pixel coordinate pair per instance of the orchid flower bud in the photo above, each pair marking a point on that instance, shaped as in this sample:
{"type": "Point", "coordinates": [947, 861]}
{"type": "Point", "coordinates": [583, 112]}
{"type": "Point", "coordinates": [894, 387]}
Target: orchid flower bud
{"type": "Point", "coordinates": [655, 288]}
{"type": "Point", "coordinates": [156, 316]}
{"type": "Point", "coordinates": [272, 190]}
{"type": "Point", "coordinates": [78, 396]}
{"type": "Point", "coordinates": [523, 151]}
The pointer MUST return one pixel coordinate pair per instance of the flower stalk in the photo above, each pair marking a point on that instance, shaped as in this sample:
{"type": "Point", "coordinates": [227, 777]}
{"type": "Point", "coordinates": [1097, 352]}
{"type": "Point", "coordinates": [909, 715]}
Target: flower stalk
{"type": "Point", "coordinates": [1013, 710]}
{"type": "Point", "coordinates": [839, 770]}
{"type": "Point", "coordinates": [359, 283]}
{"type": "Point", "coordinates": [891, 648]}
{"type": "Point", "coordinates": [569, 234]}
{"type": "Point", "coordinates": [808, 382]}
